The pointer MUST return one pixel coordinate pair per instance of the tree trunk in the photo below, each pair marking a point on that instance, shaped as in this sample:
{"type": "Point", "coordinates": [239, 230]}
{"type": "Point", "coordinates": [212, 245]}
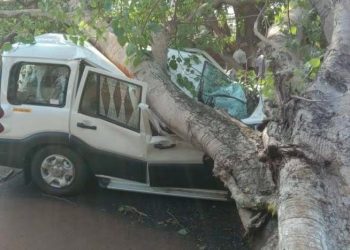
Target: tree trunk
{"type": "Point", "coordinates": [314, 180]}
{"type": "Point", "coordinates": [246, 40]}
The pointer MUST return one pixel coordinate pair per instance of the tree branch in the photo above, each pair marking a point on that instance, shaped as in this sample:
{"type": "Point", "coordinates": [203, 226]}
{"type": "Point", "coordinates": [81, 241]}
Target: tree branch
{"type": "Point", "coordinates": [261, 36]}
{"type": "Point", "coordinates": [8, 38]}
{"type": "Point", "coordinates": [304, 99]}
{"type": "Point", "coordinates": [267, 41]}
{"type": "Point", "coordinates": [149, 15]}
{"type": "Point", "coordinates": [217, 3]}
{"type": "Point", "coordinates": [18, 13]}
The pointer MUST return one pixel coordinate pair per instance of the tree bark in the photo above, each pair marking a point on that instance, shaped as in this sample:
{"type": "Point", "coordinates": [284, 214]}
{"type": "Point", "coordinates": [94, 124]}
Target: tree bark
{"type": "Point", "coordinates": [314, 180]}
{"type": "Point", "coordinates": [324, 8]}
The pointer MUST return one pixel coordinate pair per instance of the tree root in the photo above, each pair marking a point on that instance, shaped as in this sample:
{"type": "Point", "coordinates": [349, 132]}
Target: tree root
{"type": "Point", "coordinates": [254, 202]}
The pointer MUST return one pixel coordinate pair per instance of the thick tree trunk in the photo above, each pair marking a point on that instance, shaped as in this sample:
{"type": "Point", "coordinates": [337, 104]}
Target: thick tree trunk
{"type": "Point", "coordinates": [314, 183]}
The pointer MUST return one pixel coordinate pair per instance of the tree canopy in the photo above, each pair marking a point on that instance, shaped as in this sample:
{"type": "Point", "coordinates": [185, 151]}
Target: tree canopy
{"type": "Point", "coordinates": [219, 27]}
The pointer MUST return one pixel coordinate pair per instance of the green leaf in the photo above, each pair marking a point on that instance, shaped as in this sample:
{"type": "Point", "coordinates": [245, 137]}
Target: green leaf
{"type": "Point", "coordinates": [122, 40]}
{"type": "Point", "coordinates": [131, 49]}
{"type": "Point", "coordinates": [187, 62]}
{"type": "Point", "coordinates": [195, 59]}
{"type": "Point", "coordinates": [107, 4]}
{"type": "Point", "coordinates": [313, 76]}
{"type": "Point", "coordinates": [81, 41]}
{"type": "Point", "coordinates": [179, 60]}
{"type": "Point", "coordinates": [293, 30]}
{"type": "Point", "coordinates": [154, 27]}
{"type": "Point", "coordinates": [93, 4]}
{"type": "Point", "coordinates": [118, 31]}
{"type": "Point", "coordinates": [7, 46]}
{"type": "Point", "coordinates": [138, 58]}
{"type": "Point", "coordinates": [315, 62]}
{"type": "Point", "coordinates": [173, 64]}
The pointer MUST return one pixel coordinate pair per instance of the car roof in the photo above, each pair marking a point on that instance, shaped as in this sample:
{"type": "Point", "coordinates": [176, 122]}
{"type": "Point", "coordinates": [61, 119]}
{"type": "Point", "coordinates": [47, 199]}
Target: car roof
{"type": "Point", "coordinates": [59, 47]}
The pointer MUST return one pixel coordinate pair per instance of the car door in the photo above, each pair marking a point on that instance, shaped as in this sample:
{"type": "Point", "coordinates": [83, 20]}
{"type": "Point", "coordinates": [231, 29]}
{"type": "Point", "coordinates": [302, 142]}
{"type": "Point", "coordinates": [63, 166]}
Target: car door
{"type": "Point", "coordinates": [35, 97]}
{"type": "Point", "coordinates": [105, 124]}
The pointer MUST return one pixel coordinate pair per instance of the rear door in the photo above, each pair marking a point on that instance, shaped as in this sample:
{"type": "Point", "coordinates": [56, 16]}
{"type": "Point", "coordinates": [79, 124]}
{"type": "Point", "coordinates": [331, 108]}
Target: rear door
{"type": "Point", "coordinates": [106, 123]}
{"type": "Point", "coordinates": [36, 97]}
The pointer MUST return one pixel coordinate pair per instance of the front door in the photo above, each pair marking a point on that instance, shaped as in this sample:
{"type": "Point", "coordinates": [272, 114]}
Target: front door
{"type": "Point", "coordinates": [106, 124]}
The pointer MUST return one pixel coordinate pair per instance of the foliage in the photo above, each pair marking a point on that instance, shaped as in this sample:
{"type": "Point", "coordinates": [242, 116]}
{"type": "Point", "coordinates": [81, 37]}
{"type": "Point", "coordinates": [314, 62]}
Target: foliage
{"type": "Point", "coordinates": [134, 22]}
{"type": "Point", "coordinates": [186, 83]}
{"type": "Point", "coordinates": [189, 75]}
{"type": "Point", "coordinates": [250, 81]}
{"type": "Point", "coordinates": [312, 66]}
{"type": "Point", "coordinates": [310, 43]}
{"type": "Point", "coordinates": [304, 39]}
{"type": "Point", "coordinates": [268, 85]}
{"type": "Point", "coordinates": [25, 26]}
{"type": "Point", "coordinates": [255, 87]}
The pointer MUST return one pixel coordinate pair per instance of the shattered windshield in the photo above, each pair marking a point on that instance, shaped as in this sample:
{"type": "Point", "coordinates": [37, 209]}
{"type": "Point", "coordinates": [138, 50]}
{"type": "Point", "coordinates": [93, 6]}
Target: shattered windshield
{"type": "Point", "coordinates": [218, 90]}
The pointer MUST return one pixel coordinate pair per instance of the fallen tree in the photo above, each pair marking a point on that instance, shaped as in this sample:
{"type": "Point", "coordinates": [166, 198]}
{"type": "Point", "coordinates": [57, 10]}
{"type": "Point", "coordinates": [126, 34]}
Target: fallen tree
{"type": "Point", "coordinates": [298, 167]}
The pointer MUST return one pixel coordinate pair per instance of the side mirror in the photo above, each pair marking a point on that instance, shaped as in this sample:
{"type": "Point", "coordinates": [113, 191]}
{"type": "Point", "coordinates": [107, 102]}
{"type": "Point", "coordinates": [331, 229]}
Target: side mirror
{"type": "Point", "coordinates": [143, 106]}
{"type": "Point", "coordinates": [162, 142]}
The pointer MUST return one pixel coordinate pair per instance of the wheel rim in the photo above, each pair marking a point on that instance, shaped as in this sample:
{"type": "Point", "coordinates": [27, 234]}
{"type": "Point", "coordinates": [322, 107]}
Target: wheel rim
{"type": "Point", "coordinates": [57, 171]}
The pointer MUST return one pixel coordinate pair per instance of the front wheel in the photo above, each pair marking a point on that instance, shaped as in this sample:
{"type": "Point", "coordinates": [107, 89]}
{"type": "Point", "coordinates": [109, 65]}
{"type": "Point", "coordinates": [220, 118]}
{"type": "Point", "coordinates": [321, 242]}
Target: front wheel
{"type": "Point", "coordinates": [59, 171]}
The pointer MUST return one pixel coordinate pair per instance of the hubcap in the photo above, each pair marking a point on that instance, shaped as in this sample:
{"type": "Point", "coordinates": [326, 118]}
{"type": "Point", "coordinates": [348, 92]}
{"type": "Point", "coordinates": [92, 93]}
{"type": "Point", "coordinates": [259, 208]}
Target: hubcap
{"type": "Point", "coordinates": [57, 171]}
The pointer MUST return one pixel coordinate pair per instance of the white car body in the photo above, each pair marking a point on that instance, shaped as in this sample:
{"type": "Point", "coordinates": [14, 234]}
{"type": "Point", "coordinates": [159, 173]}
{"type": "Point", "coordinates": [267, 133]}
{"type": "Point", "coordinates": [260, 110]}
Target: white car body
{"type": "Point", "coordinates": [117, 142]}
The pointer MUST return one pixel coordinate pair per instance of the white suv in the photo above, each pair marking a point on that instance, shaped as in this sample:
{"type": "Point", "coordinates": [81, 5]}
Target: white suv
{"type": "Point", "coordinates": [67, 112]}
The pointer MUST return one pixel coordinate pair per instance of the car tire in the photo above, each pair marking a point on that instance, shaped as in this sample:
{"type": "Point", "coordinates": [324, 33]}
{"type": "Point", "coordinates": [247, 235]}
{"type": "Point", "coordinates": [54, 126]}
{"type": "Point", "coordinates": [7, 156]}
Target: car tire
{"type": "Point", "coordinates": [58, 170]}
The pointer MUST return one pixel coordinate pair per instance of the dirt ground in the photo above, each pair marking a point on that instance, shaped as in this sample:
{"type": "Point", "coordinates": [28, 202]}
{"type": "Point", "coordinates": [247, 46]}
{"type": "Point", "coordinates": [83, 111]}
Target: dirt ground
{"type": "Point", "coordinates": [106, 219]}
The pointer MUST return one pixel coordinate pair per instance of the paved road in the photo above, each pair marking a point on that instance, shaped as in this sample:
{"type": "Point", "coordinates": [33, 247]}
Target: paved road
{"type": "Point", "coordinates": [104, 219]}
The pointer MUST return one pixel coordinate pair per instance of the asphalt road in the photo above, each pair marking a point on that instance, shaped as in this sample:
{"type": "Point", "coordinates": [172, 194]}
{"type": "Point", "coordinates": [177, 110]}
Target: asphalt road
{"type": "Point", "coordinates": [106, 219]}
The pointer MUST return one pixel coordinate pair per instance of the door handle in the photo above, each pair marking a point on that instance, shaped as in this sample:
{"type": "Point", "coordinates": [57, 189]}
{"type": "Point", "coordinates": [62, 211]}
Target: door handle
{"type": "Point", "coordinates": [161, 146]}
{"type": "Point", "coordinates": [83, 125]}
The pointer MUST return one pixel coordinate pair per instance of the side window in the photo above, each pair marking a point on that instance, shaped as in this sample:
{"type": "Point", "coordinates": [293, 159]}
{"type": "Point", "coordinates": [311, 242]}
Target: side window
{"type": "Point", "coordinates": [38, 84]}
{"type": "Point", "coordinates": [89, 99]}
{"type": "Point", "coordinates": [112, 99]}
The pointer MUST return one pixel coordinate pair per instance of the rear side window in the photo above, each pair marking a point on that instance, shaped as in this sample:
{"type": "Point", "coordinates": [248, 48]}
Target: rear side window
{"type": "Point", "coordinates": [38, 84]}
{"type": "Point", "coordinates": [112, 99]}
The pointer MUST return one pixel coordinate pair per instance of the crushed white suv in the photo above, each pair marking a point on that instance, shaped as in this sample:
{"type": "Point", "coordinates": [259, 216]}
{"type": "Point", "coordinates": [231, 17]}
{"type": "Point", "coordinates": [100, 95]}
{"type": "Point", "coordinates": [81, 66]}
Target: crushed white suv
{"type": "Point", "coordinates": [67, 113]}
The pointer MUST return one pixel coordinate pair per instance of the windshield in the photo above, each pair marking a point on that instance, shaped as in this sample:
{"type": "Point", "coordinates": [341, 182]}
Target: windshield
{"type": "Point", "coordinates": [218, 90]}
